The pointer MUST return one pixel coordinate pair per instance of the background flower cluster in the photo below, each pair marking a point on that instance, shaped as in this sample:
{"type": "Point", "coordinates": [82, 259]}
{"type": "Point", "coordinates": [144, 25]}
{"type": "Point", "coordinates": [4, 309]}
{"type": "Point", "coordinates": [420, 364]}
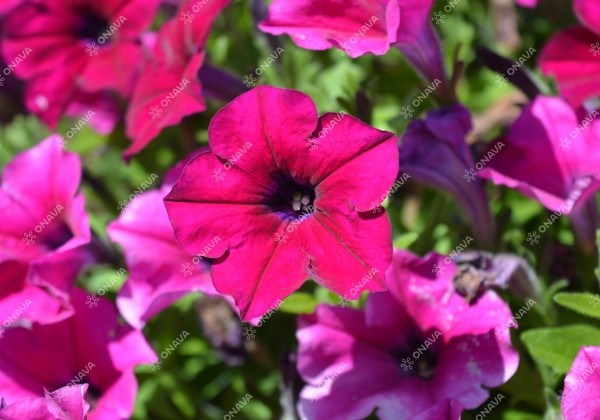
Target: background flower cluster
{"type": "Point", "coordinates": [313, 209]}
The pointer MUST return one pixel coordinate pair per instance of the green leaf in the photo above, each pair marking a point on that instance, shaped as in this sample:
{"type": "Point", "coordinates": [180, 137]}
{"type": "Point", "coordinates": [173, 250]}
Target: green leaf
{"type": "Point", "coordinates": [299, 303]}
{"type": "Point", "coordinates": [583, 303]}
{"type": "Point", "coordinates": [557, 347]}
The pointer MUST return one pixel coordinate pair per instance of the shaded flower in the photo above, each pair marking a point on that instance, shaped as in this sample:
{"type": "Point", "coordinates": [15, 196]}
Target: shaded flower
{"type": "Point", "coordinates": [320, 199]}
{"type": "Point", "coordinates": [83, 349]}
{"type": "Point", "coordinates": [434, 151]}
{"type": "Point", "coordinates": [533, 164]}
{"type": "Point", "coordinates": [579, 399]}
{"type": "Point", "coordinates": [160, 272]}
{"type": "Point", "coordinates": [39, 199]}
{"type": "Point", "coordinates": [168, 89]}
{"type": "Point", "coordinates": [370, 27]}
{"type": "Point", "coordinates": [70, 74]}
{"type": "Point", "coordinates": [445, 337]}
{"type": "Point", "coordinates": [570, 56]}
{"type": "Point", "coordinates": [64, 403]}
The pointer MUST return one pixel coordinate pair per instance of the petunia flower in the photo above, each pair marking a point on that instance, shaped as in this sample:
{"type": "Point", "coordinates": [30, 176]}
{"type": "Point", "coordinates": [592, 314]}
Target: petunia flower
{"type": "Point", "coordinates": [285, 210]}
{"type": "Point", "coordinates": [356, 27]}
{"type": "Point", "coordinates": [44, 231]}
{"type": "Point", "coordinates": [572, 55]}
{"type": "Point", "coordinates": [435, 152]}
{"type": "Point", "coordinates": [94, 46]}
{"type": "Point", "coordinates": [159, 271]}
{"type": "Point", "coordinates": [550, 154]}
{"type": "Point", "coordinates": [8, 5]}
{"type": "Point", "coordinates": [527, 3]}
{"type": "Point", "coordinates": [579, 399]}
{"type": "Point", "coordinates": [91, 347]}
{"type": "Point", "coordinates": [169, 89]}
{"type": "Point", "coordinates": [65, 403]}
{"type": "Point", "coordinates": [417, 350]}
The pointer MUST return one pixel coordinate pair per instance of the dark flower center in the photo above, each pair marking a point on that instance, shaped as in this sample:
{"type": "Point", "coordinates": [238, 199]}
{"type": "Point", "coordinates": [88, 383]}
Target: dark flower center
{"type": "Point", "coordinates": [90, 26]}
{"type": "Point", "coordinates": [92, 396]}
{"type": "Point", "coordinates": [420, 358]}
{"type": "Point", "coordinates": [55, 236]}
{"type": "Point", "coordinates": [292, 200]}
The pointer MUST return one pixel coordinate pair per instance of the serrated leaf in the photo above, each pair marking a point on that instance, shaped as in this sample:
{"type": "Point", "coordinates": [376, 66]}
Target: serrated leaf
{"type": "Point", "coordinates": [557, 347]}
{"type": "Point", "coordinates": [582, 303]}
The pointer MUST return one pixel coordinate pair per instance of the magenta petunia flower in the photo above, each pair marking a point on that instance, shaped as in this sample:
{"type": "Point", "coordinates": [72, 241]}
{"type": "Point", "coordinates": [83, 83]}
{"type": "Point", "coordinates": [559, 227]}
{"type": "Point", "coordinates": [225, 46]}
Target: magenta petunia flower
{"type": "Point", "coordinates": [418, 346]}
{"type": "Point", "coordinates": [355, 27]}
{"type": "Point", "coordinates": [550, 154]}
{"type": "Point", "coordinates": [89, 348]}
{"type": "Point", "coordinates": [571, 56]}
{"type": "Point", "coordinates": [43, 233]}
{"type": "Point", "coordinates": [159, 271]}
{"type": "Point", "coordinates": [579, 399]}
{"type": "Point", "coordinates": [290, 196]}
{"type": "Point", "coordinates": [358, 27]}
{"type": "Point", "coordinates": [8, 5]}
{"type": "Point", "coordinates": [168, 89]}
{"type": "Point", "coordinates": [64, 403]}
{"type": "Point", "coordinates": [94, 46]}
{"type": "Point", "coordinates": [435, 152]}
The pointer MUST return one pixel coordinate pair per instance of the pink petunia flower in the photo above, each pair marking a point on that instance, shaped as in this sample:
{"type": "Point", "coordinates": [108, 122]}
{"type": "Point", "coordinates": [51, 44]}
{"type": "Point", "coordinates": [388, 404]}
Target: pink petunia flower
{"type": "Point", "coordinates": [355, 27]}
{"type": "Point", "coordinates": [358, 27]}
{"type": "Point", "coordinates": [89, 348]}
{"type": "Point", "coordinates": [168, 89]}
{"type": "Point", "coordinates": [283, 209]}
{"type": "Point", "coordinates": [550, 154]}
{"type": "Point", "coordinates": [573, 55]}
{"type": "Point", "coordinates": [64, 403]}
{"type": "Point", "coordinates": [43, 233]}
{"type": "Point", "coordinates": [160, 272]}
{"type": "Point", "coordinates": [8, 5]}
{"type": "Point", "coordinates": [417, 351]}
{"type": "Point", "coordinates": [579, 399]}
{"type": "Point", "coordinates": [94, 46]}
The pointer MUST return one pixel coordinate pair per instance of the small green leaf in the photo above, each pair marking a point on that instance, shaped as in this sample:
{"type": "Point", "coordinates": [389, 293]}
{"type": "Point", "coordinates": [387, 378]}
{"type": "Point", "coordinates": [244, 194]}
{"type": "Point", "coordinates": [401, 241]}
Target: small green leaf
{"type": "Point", "coordinates": [557, 347]}
{"type": "Point", "coordinates": [299, 303]}
{"type": "Point", "coordinates": [583, 303]}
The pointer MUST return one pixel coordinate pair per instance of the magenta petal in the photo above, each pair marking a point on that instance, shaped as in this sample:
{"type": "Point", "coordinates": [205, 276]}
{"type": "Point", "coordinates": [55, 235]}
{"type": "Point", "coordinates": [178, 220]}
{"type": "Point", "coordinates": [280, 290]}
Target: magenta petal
{"type": "Point", "coordinates": [359, 27]}
{"type": "Point", "coordinates": [582, 385]}
{"type": "Point", "coordinates": [151, 110]}
{"type": "Point", "coordinates": [67, 403]}
{"type": "Point", "coordinates": [567, 57]}
{"type": "Point", "coordinates": [272, 270]}
{"type": "Point", "coordinates": [535, 162]}
{"type": "Point", "coordinates": [158, 267]}
{"type": "Point", "coordinates": [588, 12]}
{"type": "Point", "coordinates": [350, 263]}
